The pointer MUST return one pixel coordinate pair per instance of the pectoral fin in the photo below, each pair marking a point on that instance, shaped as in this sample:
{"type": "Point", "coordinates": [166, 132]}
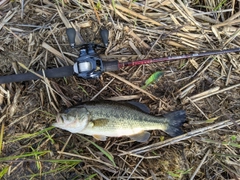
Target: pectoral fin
{"type": "Point", "coordinates": [100, 122]}
{"type": "Point", "coordinates": [140, 137]}
{"type": "Point", "coordinates": [100, 137]}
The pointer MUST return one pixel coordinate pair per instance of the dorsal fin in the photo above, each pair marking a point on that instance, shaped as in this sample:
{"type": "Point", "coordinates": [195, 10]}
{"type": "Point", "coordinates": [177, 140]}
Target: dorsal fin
{"type": "Point", "coordinates": [140, 106]}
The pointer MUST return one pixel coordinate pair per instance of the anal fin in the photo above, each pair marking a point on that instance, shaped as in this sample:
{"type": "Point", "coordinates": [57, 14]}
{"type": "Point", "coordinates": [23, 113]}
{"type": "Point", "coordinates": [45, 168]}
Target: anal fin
{"type": "Point", "coordinates": [140, 137]}
{"type": "Point", "coordinates": [100, 137]}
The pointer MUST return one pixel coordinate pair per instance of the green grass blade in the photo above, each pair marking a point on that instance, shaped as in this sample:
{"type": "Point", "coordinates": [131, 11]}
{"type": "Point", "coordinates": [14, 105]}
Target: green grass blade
{"type": "Point", "coordinates": [4, 171]}
{"type": "Point", "coordinates": [63, 161]}
{"type": "Point", "coordinates": [105, 152]}
{"type": "Point", "coordinates": [153, 78]}
{"type": "Point", "coordinates": [220, 5]}
{"type": "Point", "coordinates": [113, 4]}
{"type": "Point", "coordinates": [28, 136]}
{"type": "Point", "coordinates": [212, 120]}
{"type": "Point", "coordinates": [179, 173]}
{"type": "Point", "coordinates": [48, 136]}
{"type": "Point", "coordinates": [227, 143]}
{"type": "Point", "coordinates": [1, 136]}
{"type": "Point", "coordinates": [227, 155]}
{"type": "Point", "coordinates": [38, 164]}
{"type": "Point", "coordinates": [62, 168]}
{"type": "Point", "coordinates": [90, 177]}
{"type": "Point", "coordinates": [98, 6]}
{"type": "Point", "coordinates": [47, 114]}
{"type": "Point", "coordinates": [9, 158]}
{"type": "Point", "coordinates": [58, 161]}
{"type": "Point", "coordinates": [83, 90]}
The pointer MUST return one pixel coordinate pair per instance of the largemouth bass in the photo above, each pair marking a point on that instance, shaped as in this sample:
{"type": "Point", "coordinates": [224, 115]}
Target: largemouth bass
{"type": "Point", "coordinates": [116, 119]}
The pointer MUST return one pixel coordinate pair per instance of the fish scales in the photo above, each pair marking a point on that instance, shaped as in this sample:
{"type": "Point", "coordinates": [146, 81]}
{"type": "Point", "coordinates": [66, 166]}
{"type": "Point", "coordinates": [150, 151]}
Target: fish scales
{"type": "Point", "coordinates": [124, 116]}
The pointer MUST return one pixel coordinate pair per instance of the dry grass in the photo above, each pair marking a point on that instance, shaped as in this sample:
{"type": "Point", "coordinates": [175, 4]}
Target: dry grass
{"type": "Point", "coordinates": [32, 33]}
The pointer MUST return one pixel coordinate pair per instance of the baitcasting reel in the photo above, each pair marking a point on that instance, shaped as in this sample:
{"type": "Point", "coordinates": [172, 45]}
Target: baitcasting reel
{"type": "Point", "coordinates": [89, 65]}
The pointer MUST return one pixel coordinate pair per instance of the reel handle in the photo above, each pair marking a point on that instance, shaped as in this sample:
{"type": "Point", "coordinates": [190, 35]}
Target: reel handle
{"type": "Point", "coordinates": [71, 34]}
{"type": "Point", "coordinates": [104, 33]}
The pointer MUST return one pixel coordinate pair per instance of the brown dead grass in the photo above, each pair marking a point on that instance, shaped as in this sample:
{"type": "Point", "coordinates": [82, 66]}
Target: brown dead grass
{"type": "Point", "coordinates": [33, 33]}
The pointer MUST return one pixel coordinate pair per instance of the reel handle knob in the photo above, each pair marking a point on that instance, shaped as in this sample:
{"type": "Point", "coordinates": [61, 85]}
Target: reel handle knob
{"type": "Point", "coordinates": [104, 33]}
{"type": "Point", "coordinates": [71, 34]}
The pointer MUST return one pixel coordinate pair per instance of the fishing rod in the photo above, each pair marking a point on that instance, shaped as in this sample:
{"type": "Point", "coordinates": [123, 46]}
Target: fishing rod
{"type": "Point", "coordinates": [173, 58]}
{"type": "Point", "coordinates": [89, 65]}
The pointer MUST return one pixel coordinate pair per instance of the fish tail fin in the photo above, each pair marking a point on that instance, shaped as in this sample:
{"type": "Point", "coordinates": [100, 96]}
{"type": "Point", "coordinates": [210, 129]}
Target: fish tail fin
{"type": "Point", "coordinates": [175, 121]}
